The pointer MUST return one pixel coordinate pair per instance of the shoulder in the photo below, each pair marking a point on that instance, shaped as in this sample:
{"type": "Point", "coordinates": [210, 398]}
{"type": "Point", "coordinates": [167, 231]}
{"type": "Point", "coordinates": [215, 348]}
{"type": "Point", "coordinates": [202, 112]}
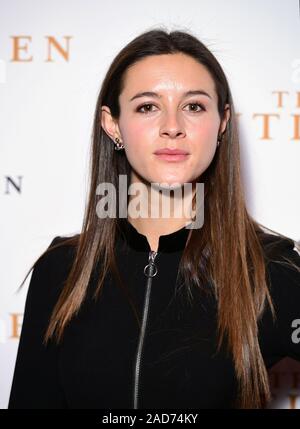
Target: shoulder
{"type": "Point", "coordinates": [283, 275]}
{"type": "Point", "coordinates": [283, 271]}
{"type": "Point", "coordinates": [51, 269]}
{"type": "Point", "coordinates": [275, 245]}
{"type": "Point", "coordinates": [279, 250]}
{"type": "Point", "coordinates": [59, 253]}
{"type": "Point", "coordinates": [281, 256]}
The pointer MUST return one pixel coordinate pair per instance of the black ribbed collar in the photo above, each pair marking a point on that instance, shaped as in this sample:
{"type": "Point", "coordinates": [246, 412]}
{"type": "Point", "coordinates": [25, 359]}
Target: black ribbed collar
{"type": "Point", "coordinates": [167, 243]}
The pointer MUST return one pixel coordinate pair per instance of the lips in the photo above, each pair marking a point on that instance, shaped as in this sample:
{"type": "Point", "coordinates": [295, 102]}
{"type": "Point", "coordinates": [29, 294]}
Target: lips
{"type": "Point", "coordinates": [171, 152]}
{"type": "Point", "coordinates": [172, 155]}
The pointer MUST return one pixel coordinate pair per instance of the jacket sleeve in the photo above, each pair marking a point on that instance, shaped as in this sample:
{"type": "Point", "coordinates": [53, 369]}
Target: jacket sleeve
{"type": "Point", "coordinates": [285, 291]}
{"type": "Point", "coordinates": [36, 382]}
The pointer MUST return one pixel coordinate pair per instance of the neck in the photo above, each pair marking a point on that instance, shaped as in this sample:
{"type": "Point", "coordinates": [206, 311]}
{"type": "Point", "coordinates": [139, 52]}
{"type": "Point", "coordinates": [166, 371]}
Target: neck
{"type": "Point", "coordinates": [154, 201]}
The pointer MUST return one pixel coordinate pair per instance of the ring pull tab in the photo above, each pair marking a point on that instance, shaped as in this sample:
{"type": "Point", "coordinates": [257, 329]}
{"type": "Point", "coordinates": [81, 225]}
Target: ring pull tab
{"type": "Point", "coordinates": [150, 270]}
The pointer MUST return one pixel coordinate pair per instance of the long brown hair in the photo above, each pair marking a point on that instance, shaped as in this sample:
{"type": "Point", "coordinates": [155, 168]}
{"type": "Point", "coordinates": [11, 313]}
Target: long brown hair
{"type": "Point", "coordinates": [227, 251]}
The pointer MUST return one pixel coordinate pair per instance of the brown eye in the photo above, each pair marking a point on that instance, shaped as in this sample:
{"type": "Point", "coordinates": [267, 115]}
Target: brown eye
{"type": "Point", "coordinates": [195, 105]}
{"type": "Point", "coordinates": [143, 106]}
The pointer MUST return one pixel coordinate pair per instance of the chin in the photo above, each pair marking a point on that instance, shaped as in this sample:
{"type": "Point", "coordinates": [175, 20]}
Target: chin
{"type": "Point", "coordinates": [168, 183]}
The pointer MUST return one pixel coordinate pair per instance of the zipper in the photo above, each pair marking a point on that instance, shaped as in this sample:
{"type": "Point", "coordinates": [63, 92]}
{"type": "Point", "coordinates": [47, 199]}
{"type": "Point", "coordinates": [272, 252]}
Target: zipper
{"type": "Point", "coordinates": [150, 270]}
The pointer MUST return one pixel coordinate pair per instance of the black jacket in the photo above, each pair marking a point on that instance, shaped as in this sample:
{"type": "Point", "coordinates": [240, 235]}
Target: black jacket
{"type": "Point", "coordinates": [106, 361]}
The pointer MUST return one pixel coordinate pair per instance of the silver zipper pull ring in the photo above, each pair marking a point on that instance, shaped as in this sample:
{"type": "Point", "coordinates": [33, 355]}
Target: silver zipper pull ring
{"type": "Point", "coordinates": [150, 269]}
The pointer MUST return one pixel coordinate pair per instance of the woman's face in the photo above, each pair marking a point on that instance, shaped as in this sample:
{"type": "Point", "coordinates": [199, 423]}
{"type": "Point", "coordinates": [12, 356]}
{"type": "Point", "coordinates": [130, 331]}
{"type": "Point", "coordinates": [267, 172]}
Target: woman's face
{"type": "Point", "coordinates": [171, 120]}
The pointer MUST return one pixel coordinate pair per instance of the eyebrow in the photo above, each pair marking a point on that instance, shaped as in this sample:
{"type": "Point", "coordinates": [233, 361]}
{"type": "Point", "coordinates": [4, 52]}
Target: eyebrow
{"type": "Point", "coordinates": [156, 95]}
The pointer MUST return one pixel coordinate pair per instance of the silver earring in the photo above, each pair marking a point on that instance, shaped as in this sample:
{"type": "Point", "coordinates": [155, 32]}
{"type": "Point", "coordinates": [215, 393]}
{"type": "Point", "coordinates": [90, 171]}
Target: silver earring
{"type": "Point", "coordinates": [118, 144]}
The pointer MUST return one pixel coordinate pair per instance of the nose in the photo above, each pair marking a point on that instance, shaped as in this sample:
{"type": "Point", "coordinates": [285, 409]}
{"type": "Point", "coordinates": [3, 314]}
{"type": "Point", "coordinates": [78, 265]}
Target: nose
{"type": "Point", "coordinates": [172, 127]}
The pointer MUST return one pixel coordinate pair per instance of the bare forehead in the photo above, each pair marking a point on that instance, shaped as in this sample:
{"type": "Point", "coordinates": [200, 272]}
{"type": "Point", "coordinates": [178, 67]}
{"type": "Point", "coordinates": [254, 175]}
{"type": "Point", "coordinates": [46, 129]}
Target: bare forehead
{"type": "Point", "coordinates": [167, 71]}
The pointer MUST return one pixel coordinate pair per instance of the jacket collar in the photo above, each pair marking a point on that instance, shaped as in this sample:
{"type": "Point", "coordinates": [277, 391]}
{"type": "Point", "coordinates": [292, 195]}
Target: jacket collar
{"type": "Point", "coordinates": [168, 243]}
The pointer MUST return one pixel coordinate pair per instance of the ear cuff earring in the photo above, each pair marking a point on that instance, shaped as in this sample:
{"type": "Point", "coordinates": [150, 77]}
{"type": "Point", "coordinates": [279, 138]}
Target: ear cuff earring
{"type": "Point", "coordinates": [118, 144]}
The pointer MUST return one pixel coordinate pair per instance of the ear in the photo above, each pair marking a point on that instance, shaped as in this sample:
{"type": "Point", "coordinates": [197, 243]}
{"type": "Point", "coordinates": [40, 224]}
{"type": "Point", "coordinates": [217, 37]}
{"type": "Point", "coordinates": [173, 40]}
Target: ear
{"type": "Point", "coordinates": [225, 119]}
{"type": "Point", "coordinates": [109, 124]}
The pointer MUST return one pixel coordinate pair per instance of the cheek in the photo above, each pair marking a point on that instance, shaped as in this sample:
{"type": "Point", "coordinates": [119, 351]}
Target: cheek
{"type": "Point", "coordinates": [138, 136]}
{"type": "Point", "coordinates": [203, 143]}
{"type": "Point", "coordinates": [205, 135]}
{"type": "Point", "coordinates": [206, 130]}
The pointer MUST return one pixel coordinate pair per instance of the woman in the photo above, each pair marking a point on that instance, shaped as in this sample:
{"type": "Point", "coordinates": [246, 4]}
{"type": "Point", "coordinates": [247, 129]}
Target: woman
{"type": "Point", "coordinates": [145, 312]}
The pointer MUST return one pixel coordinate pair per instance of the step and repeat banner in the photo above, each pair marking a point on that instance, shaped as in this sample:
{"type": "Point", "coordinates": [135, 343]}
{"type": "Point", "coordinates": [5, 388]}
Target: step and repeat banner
{"type": "Point", "coordinates": [53, 57]}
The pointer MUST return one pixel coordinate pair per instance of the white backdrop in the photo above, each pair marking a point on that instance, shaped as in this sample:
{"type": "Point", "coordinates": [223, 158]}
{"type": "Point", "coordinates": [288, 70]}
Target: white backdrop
{"type": "Point", "coordinates": [53, 57]}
